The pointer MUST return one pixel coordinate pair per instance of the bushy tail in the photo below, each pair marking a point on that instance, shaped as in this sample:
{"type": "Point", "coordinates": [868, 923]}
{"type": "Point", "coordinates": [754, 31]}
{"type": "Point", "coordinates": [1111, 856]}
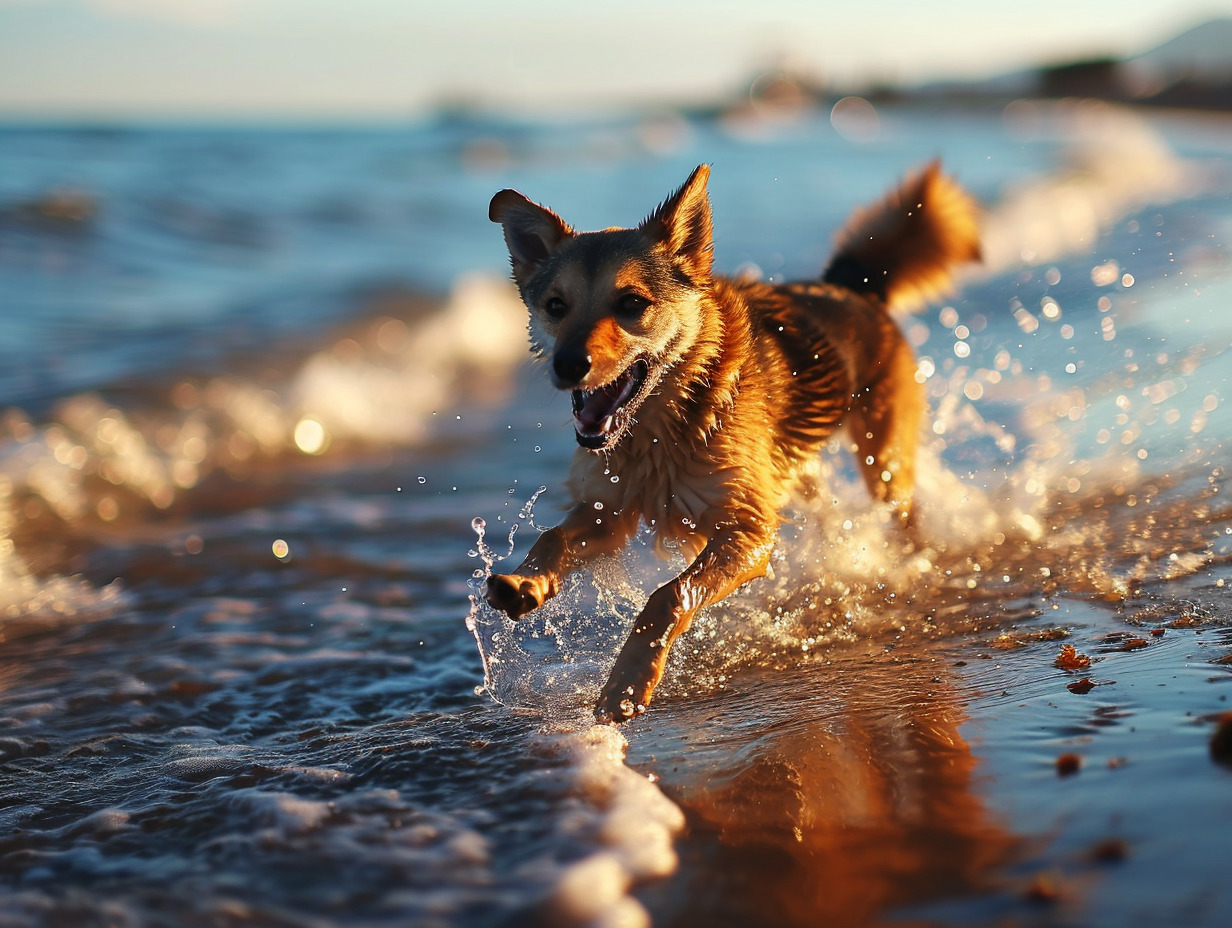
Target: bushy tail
{"type": "Point", "coordinates": [904, 248]}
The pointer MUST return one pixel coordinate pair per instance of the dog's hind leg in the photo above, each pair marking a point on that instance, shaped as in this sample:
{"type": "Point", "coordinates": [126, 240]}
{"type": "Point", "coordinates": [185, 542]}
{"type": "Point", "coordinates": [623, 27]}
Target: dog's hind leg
{"type": "Point", "coordinates": [884, 422]}
{"type": "Point", "coordinates": [733, 556]}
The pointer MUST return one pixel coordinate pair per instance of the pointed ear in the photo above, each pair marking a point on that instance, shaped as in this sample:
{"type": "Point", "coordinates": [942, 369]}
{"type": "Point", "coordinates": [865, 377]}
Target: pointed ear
{"type": "Point", "coordinates": [531, 231]}
{"type": "Point", "coordinates": [683, 226]}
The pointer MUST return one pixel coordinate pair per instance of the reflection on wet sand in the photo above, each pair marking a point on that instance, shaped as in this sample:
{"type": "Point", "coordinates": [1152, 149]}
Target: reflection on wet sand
{"type": "Point", "coordinates": [851, 800]}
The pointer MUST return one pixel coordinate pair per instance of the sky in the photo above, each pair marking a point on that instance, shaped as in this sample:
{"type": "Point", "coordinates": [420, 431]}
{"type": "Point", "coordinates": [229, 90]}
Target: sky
{"type": "Point", "coordinates": [387, 59]}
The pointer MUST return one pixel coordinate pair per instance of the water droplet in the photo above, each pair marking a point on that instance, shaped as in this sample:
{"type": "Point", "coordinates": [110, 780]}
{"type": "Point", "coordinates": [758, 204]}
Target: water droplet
{"type": "Point", "coordinates": [422, 479]}
{"type": "Point", "coordinates": [615, 478]}
{"type": "Point", "coordinates": [598, 505]}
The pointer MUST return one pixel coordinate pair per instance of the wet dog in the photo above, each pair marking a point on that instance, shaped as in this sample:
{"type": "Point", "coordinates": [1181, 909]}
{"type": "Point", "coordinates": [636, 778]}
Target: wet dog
{"type": "Point", "coordinates": [708, 396]}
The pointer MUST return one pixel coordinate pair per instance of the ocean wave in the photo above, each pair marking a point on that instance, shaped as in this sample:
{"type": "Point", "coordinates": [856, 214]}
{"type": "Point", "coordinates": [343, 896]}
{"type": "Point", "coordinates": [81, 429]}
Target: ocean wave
{"type": "Point", "coordinates": [1114, 162]}
{"type": "Point", "coordinates": [98, 465]}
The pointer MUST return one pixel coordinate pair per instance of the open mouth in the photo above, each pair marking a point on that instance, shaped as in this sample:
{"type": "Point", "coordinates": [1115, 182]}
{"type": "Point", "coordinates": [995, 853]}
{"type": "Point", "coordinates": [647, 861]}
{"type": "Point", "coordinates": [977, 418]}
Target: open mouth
{"type": "Point", "coordinates": [601, 416]}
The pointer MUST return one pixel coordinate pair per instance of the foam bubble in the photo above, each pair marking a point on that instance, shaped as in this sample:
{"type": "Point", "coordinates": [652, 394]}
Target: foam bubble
{"type": "Point", "coordinates": [106, 821]}
{"type": "Point", "coordinates": [286, 814]}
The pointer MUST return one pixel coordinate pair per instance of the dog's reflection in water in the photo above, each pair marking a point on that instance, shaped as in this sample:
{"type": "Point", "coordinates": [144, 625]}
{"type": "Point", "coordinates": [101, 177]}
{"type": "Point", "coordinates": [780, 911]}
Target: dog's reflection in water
{"type": "Point", "coordinates": [852, 797]}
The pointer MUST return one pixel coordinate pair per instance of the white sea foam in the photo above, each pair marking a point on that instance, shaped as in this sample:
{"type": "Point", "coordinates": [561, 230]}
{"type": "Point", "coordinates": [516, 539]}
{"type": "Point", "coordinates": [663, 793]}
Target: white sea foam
{"type": "Point", "coordinates": [52, 598]}
{"type": "Point", "coordinates": [387, 391]}
{"type": "Point", "coordinates": [634, 823]}
{"type": "Point", "coordinates": [1115, 163]}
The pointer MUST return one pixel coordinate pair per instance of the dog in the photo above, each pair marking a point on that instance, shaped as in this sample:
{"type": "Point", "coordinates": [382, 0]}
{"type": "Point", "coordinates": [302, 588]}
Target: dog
{"type": "Point", "coordinates": [708, 396]}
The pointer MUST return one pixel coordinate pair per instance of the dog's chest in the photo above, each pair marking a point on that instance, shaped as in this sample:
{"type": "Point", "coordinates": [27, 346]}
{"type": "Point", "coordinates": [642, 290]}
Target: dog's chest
{"type": "Point", "coordinates": [674, 490]}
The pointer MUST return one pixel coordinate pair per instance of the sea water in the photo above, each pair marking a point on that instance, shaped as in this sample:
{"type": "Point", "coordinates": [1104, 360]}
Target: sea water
{"type": "Point", "coordinates": [268, 422]}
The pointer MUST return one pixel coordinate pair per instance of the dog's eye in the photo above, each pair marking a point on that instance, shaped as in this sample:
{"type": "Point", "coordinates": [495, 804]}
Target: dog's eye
{"type": "Point", "coordinates": [632, 305]}
{"type": "Point", "coordinates": [556, 308]}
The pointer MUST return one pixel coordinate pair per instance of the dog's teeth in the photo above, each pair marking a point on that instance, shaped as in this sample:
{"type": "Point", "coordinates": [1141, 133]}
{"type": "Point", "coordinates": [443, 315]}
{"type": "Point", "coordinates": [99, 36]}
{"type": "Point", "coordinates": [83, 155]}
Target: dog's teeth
{"type": "Point", "coordinates": [606, 425]}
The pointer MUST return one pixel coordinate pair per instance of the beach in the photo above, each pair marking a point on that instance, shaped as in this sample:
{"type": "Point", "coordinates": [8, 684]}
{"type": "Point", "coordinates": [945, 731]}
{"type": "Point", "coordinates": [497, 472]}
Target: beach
{"type": "Point", "coordinates": [269, 419]}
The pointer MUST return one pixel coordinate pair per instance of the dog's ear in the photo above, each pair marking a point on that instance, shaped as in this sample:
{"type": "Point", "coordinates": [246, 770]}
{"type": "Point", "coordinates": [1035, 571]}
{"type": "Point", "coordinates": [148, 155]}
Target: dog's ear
{"type": "Point", "coordinates": [682, 225]}
{"type": "Point", "coordinates": [531, 231]}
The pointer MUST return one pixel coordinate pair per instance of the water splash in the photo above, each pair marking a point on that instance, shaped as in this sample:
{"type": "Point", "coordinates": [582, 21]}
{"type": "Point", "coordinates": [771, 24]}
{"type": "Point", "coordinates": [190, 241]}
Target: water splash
{"type": "Point", "coordinates": [484, 623]}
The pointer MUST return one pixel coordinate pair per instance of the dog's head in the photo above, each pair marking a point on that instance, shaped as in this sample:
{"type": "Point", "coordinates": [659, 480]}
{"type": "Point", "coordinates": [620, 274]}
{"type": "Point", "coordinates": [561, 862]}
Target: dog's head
{"type": "Point", "coordinates": [610, 311]}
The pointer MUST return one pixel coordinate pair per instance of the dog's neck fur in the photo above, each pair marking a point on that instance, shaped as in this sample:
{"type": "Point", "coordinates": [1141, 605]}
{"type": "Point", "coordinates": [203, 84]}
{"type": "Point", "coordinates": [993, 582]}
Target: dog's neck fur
{"type": "Point", "coordinates": [707, 378]}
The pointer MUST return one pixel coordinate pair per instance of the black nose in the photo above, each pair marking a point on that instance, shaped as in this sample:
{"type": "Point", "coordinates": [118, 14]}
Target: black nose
{"type": "Point", "coordinates": [570, 364]}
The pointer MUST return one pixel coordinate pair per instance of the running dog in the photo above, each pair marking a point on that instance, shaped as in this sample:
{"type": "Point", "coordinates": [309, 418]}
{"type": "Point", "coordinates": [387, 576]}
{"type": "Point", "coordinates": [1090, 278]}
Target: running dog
{"type": "Point", "coordinates": [708, 396]}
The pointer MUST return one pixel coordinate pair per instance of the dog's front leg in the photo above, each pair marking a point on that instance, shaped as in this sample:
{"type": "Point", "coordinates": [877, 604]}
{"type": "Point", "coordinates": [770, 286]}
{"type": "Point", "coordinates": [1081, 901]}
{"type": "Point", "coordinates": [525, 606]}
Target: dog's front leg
{"type": "Point", "coordinates": [733, 556]}
{"type": "Point", "coordinates": [583, 535]}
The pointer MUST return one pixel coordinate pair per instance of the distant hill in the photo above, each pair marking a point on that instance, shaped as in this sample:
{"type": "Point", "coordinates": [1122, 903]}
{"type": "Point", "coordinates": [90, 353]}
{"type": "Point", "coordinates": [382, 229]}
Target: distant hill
{"type": "Point", "coordinates": [1194, 69]}
{"type": "Point", "coordinates": [1201, 53]}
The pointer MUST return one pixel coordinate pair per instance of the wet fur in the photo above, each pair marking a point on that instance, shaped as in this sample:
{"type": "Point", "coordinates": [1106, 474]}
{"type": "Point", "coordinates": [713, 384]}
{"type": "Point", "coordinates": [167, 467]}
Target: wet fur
{"type": "Point", "coordinates": [744, 382]}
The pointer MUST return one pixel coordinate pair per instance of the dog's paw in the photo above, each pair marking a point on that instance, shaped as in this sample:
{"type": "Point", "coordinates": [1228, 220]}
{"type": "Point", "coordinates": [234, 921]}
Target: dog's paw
{"type": "Point", "coordinates": [513, 595]}
{"type": "Point", "coordinates": [618, 703]}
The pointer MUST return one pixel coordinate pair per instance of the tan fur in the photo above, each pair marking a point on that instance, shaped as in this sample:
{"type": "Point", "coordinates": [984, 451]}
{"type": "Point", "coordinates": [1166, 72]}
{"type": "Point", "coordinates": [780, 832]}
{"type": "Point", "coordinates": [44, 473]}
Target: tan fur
{"type": "Point", "coordinates": [707, 397]}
